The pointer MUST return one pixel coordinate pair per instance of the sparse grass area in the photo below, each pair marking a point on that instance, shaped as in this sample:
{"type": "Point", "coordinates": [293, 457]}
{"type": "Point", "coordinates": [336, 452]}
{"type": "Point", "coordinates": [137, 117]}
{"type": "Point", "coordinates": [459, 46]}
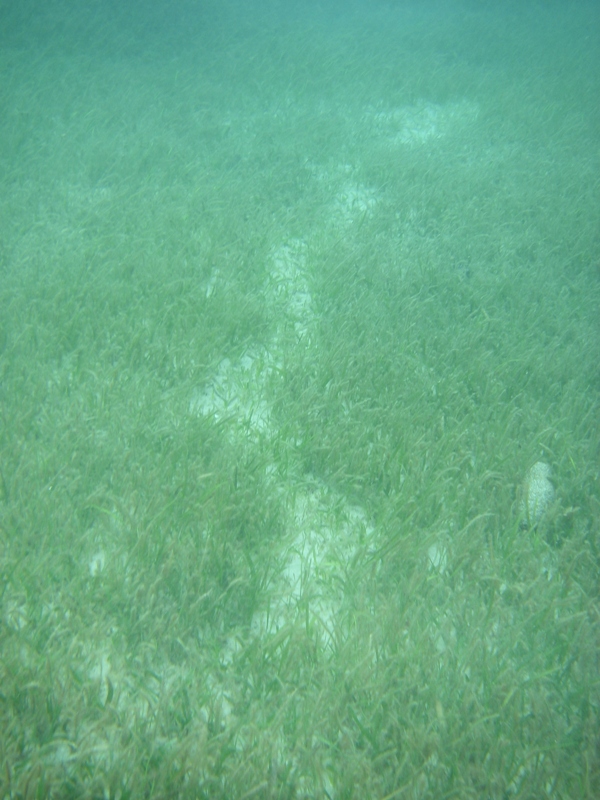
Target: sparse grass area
{"type": "Point", "coordinates": [287, 315]}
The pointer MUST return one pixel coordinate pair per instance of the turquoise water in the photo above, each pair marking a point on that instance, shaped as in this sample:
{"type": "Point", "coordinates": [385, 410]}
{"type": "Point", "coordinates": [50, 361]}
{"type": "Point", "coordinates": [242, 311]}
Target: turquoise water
{"type": "Point", "coordinates": [299, 445]}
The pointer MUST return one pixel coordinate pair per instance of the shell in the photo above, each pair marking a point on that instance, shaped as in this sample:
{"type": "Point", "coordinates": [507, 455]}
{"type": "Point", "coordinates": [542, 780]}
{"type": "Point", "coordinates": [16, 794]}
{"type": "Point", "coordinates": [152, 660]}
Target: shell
{"type": "Point", "coordinates": [538, 494]}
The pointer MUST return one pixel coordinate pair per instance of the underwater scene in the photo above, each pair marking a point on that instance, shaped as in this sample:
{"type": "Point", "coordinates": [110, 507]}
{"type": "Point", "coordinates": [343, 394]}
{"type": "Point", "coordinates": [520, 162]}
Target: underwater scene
{"type": "Point", "coordinates": [299, 399]}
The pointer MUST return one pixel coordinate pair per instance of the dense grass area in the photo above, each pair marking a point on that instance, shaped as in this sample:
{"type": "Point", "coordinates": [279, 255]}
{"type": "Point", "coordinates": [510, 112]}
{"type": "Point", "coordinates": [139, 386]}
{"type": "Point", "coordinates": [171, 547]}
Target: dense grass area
{"type": "Point", "coordinates": [298, 304]}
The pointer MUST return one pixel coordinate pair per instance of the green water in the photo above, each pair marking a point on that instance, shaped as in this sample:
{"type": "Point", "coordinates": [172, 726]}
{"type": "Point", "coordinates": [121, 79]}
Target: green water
{"type": "Point", "coordinates": [292, 297]}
